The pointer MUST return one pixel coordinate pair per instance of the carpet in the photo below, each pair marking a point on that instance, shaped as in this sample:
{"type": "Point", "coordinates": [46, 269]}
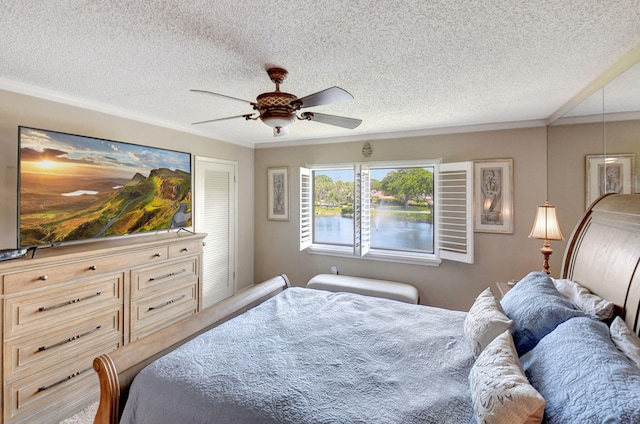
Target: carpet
{"type": "Point", "coordinates": [85, 416]}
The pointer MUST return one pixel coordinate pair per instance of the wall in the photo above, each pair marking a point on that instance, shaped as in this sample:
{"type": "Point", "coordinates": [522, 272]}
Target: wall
{"type": "Point", "coordinates": [498, 257]}
{"type": "Point", "coordinates": [568, 147]}
{"type": "Point", "coordinates": [18, 109]}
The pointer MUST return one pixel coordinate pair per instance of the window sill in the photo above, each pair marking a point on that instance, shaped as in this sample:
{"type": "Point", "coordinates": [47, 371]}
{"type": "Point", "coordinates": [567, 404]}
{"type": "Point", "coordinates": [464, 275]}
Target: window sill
{"type": "Point", "coordinates": [372, 256]}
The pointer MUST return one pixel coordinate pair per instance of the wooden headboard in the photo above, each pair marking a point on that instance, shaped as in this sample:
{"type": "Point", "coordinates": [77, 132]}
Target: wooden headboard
{"type": "Point", "coordinates": [604, 252]}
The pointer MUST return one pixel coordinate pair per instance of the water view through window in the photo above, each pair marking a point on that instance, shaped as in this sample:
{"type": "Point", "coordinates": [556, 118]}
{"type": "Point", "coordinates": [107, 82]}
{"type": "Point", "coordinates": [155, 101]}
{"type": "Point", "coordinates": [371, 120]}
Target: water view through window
{"type": "Point", "coordinates": [400, 211]}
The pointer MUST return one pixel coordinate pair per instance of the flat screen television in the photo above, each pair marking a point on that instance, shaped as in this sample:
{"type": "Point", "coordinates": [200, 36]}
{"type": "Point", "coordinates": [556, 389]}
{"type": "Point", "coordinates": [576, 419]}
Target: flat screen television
{"type": "Point", "coordinates": [74, 188]}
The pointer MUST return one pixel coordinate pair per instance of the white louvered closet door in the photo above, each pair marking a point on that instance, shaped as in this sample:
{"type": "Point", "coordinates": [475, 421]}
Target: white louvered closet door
{"type": "Point", "coordinates": [215, 204]}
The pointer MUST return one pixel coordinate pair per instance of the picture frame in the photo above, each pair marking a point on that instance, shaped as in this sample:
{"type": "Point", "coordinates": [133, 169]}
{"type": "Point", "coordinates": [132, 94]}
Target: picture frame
{"type": "Point", "coordinates": [609, 174]}
{"type": "Point", "coordinates": [493, 195]}
{"type": "Point", "coordinates": [278, 193]}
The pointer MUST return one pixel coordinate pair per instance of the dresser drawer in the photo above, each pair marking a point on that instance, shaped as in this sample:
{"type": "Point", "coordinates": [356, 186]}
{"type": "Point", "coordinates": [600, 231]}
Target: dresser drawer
{"type": "Point", "coordinates": [46, 276]}
{"type": "Point", "coordinates": [42, 395]}
{"type": "Point", "coordinates": [35, 354]}
{"type": "Point", "coordinates": [184, 249]}
{"type": "Point", "coordinates": [151, 313]}
{"type": "Point", "coordinates": [148, 279]}
{"type": "Point", "coordinates": [49, 308]}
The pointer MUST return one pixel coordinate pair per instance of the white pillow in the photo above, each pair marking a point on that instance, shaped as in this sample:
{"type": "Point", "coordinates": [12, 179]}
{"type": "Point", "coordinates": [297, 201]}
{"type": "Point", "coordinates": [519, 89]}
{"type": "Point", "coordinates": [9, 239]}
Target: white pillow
{"type": "Point", "coordinates": [585, 300]}
{"type": "Point", "coordinates": [500, 390]}
{"type": "Point", "coordinates": [485, 321]}
{"type": "Point", "coordinates": [625, 340]}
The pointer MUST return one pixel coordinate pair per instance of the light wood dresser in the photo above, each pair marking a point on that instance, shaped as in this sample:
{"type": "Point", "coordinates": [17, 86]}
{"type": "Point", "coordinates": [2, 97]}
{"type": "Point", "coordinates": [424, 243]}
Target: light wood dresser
{"type": "Point", "coordinates": [72, 303]}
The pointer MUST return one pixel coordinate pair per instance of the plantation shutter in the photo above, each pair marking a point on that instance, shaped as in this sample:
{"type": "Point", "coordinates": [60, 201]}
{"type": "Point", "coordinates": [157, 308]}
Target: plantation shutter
{"type": "Point", "coordinates": [215, 201]}
{"type": "Point", "coordinates": [357, 194]}
{"type": "Point", "coordinates": [306, 209]}
{"type": "Point", "coordinates": [455, 211]}
{"type": "Point", "coordinates": [365, 208]}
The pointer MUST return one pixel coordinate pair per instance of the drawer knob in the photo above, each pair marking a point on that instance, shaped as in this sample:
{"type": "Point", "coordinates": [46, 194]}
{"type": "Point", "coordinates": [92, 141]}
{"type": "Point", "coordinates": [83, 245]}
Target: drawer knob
{"type": "Point", "coordinates": [93, 267]}
{"type": "Point", "coordinates": [157, 255]}
{"type": "Point", "coordinates": [44, 277]}
{"type": "Point", "coordinates": [185, 249]}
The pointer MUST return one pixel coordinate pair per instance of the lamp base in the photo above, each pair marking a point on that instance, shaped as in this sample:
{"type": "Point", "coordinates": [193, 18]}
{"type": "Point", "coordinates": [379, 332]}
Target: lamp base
{"type": "Point", "coordinates": [546, 251]}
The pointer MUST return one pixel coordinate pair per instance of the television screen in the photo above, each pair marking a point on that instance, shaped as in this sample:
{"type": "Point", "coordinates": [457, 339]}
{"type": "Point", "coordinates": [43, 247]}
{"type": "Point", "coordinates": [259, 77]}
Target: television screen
{"type": "Point", "coordinates": [75, 188]}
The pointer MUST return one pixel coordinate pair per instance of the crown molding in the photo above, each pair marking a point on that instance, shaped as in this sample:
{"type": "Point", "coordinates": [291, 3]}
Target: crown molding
{"type": "Point", "coordinates": [498, 126]}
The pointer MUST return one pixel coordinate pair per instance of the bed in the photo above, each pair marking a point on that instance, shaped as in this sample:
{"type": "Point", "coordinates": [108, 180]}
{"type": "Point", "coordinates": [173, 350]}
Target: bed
{"type": "Point", "coordinates": [280, 354]}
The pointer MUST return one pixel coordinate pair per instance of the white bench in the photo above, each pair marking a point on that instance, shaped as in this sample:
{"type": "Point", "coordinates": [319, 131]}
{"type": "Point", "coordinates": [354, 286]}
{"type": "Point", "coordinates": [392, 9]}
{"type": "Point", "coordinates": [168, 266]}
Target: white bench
{"type": "Point", "coordinates": [366, 286]}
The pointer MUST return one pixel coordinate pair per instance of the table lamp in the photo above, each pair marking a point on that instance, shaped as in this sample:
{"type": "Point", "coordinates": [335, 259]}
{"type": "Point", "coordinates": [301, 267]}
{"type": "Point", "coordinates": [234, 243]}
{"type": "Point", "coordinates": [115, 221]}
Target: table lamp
{"type": "Point", "coordinates": [546, 227]}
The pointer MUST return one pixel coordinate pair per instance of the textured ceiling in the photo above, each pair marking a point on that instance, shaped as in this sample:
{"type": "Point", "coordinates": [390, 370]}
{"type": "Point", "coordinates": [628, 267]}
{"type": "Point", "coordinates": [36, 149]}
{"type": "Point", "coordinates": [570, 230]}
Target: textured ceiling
{"type": "Point", "coordinates": [412, 65]}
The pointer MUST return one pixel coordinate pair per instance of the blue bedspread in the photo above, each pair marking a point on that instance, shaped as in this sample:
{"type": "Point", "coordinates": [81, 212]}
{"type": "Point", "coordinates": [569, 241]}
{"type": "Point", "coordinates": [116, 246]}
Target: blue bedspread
{"type": "Point", "coordinates": [310, 356]}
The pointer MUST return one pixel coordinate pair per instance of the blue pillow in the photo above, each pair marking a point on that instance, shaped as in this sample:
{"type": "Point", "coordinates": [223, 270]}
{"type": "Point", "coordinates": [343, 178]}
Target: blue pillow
{"type": "Point", "coordinates": [536, 307]}
{"type": "Point", "coordinates": [582, 376]}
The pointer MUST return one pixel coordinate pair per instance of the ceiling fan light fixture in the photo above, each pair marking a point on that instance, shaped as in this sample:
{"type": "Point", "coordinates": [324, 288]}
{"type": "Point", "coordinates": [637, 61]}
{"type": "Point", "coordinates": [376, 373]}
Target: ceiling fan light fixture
{"type": "Point", "coordinates": [275, 109]}
{"type": "Point", "coordinates": [278, 118]}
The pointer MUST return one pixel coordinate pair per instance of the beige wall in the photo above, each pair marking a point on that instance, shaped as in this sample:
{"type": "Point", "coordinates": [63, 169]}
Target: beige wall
{"type": "Point", "coordinates": [498, 257]}
{"type": "Point", "coordinates": [568, 147]}
{"type": "Point", "coordinates": [18, 109]}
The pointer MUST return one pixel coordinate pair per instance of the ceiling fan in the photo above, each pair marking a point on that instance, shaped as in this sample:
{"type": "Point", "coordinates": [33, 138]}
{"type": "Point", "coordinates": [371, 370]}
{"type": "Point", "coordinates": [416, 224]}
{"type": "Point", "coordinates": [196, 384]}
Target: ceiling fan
{"type": "Point", "coordinates": [279, 110]}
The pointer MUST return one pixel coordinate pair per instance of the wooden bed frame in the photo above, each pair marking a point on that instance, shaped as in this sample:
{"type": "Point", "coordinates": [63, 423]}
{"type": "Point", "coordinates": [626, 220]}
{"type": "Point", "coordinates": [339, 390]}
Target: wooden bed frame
{"type": "Point", "coordinates": [602, 254]}
{"type": "Point", "coordinates": [116, 370]}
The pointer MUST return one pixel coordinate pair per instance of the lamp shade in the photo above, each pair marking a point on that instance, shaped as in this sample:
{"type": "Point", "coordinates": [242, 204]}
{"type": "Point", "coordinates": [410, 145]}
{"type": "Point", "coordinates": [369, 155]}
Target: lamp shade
{"type": "Point", "coordinates": [546, 226]}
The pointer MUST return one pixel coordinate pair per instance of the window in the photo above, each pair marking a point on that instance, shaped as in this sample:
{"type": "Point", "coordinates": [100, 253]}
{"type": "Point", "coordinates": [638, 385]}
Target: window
{"type": "Point", "coordinates": [417, 212]}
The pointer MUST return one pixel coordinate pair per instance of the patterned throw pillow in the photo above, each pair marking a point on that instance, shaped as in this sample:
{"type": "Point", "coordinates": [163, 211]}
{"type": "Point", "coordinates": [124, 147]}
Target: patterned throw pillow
{"type": "Point", "coordinates": [500, 390]}
{"type": "Point", "coordinates": [485, 321]}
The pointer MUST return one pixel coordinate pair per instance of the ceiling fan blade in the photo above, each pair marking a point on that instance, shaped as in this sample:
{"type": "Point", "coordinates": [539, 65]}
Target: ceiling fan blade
{"type": "Point", "coordinates": [245, 116]}
{"type": "Point", "coordinates": [324, 97]}
{"type": "Point", "coordinates": [223, 95]}
{"type": "Point", "coordinates": [338, 121]}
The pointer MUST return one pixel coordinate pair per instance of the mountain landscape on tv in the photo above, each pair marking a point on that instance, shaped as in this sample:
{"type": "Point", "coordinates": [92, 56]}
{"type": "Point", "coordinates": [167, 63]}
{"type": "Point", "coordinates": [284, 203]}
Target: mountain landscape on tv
{"type": "Point", "coordinates": [102, 207]}
{"type": "Point", "coordinates": [77, 188]}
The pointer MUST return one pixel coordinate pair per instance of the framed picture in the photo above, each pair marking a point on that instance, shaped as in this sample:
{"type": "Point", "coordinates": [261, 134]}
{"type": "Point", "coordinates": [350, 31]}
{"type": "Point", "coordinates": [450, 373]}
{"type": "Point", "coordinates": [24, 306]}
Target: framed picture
{"type": "Point", "coordinates": [278, 193]}
{"type": "Point", "coordinates": [609, 174]}
{"type": "Point", "coordinates": [493, 180]}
